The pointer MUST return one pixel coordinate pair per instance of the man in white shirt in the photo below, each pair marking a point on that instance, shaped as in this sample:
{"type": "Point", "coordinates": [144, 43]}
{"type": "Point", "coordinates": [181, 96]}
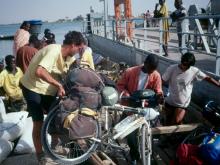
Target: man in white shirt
{"type": "Point", "coordinates": [180, 78]}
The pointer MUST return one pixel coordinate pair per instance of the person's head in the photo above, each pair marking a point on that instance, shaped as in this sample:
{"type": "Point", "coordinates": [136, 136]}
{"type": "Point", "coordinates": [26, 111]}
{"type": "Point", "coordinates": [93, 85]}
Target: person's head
{"type": "Point", "coordinates": [25, 25]}
{"type": "Point", "coordinates": [47, 31]}
{"type": "Point", "coordinates": [73, 42]}
{"type": "Point", "coordinates": [49, 38]}
{"type": "Point", "coordinates": [2, 64]}
{"type": "Point", "coordinates": [35, 42]}
{"type": "Point", "coordinates": [10, 62]}
{"type": "Point", "coordinates": [150, 63]}
{"type": "Point", "coordinates": [178, 3]}
{"type": "Point", "coordinates": [161, 2]}
{"type": "Point", "coordinates": [187, 60]}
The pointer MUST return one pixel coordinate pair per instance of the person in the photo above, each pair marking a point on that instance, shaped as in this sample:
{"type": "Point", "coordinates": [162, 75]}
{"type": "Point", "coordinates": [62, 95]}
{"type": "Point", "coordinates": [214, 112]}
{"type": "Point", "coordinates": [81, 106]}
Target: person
{"type": "Point", "coordinates": [21, 37]}
{"type": "Point", "coordinates": [163, 12]}
{"type": "Point", "coordinates": [180, 78]}
{"type": "Point", "coordinates": [1, 64]}
{"type": "Point", "coordinates": [9, 81]}
{"type": "Point", "coordinates": [48, 39]}
{"type": "Point", "coordinates": [27, 52]}
{"type": "Point", "coordinates": [85, 55]}
{"type": "Point", "coordinates": [41, 81]}
{"type": "Point", "coordinates": [177, 16]}
{"type": "Point", "coordinates": [147, 17]}
{"type": "Point", "coordinates": [137, 78]}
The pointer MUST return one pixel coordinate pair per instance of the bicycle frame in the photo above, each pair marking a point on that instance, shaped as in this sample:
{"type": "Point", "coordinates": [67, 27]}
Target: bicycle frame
{"type": "Point", "coordinates": [137, 123]}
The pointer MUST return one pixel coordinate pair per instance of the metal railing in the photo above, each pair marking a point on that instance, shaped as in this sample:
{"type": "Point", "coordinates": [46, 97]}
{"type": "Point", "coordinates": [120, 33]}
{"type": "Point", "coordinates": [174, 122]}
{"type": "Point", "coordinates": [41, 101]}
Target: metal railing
{"type": "Point", "coordinates": [202, 36]}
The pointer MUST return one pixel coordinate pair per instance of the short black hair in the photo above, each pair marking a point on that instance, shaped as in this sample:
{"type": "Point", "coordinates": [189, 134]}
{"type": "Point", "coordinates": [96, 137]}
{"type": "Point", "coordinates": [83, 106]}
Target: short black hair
{"type": "Point", "coordinates": [152, 60]}
{"type": "Point", "coordinates": [8, 59]}
{"type": "Point", "coordinates": [33, 38]}
{"type": "Point", "coordinates": [24, 24]}
{"type": "Point", "coordinates": [188, 58]}
{"type": "Point", "coordinates": [46, 31]}
{"type": "Point", "coordinates": [73, 37]}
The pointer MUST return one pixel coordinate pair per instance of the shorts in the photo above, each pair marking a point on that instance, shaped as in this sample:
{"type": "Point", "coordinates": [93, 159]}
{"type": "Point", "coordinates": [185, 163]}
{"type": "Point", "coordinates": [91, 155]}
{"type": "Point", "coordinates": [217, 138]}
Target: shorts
{"type": "Point", "coordinates": [37, 104]}
{"type": "Point", "coordinates": [170, 111]}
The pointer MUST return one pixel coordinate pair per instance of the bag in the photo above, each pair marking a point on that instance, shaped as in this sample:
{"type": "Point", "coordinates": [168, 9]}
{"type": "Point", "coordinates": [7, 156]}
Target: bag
{"type": "Point", "coordinates": [188, 154]}
{"type": "Point", "coordinates": [83, 77]}
{"type": "Point", "coordinates": [85, 97]}
{"type": "Point", "coordinates": [109, 96]}
{"type": "Point", "coordinates": [82, 127]}
{"type": "Point", "coordinates": [210, 150]}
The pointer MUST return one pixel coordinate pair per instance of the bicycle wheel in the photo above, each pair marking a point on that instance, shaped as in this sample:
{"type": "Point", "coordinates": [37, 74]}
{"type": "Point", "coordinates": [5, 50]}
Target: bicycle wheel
{"type": "Point", "coordinates": [145, 145]}
{"type": "Point", "coordinates": [65, 151]}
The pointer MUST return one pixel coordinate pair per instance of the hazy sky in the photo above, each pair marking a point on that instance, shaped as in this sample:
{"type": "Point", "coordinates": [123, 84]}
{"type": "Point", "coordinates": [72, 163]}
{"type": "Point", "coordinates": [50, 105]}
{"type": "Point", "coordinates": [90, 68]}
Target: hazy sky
{"type": "Point", "coordinates": [15, 11]}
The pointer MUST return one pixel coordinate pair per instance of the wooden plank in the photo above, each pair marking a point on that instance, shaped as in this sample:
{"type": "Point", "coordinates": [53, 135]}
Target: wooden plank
{"type": "Point", "coordinates": [174, 128]}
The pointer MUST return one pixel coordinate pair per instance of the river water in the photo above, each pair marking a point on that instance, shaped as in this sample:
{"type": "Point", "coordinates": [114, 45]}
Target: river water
{"type": "Point", "coordinates": [59, 29]}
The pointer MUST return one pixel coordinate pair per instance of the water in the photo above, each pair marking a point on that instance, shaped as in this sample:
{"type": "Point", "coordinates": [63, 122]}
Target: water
{"type": "Point", "coordinates": [59, 29]}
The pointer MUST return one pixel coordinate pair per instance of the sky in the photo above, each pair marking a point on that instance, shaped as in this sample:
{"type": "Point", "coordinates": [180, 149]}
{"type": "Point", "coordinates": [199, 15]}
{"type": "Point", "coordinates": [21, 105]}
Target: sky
{"type": "Point", "coordinates": [16, 11]}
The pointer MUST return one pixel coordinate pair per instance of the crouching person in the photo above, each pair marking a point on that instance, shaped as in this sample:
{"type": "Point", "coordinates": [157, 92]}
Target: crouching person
{"type": "Point", "coordinates": [9, 81]}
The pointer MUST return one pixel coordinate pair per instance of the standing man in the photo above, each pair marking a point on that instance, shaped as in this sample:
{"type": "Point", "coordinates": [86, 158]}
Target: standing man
{"type": "Point", "coordinates": [27, 52]}
{"type": "Point", "coordinates": [21, 37]}
{"type": "Point", "coordinates": [180, 78]}
{"type": "Point", "coordinates": [163, 12]}
{"type": "Point", "coordinates": [40, 83]}
{"type": "Point", "coordinates": [177, 16]}
{"type": "Point", "coordinates": [138, 78]}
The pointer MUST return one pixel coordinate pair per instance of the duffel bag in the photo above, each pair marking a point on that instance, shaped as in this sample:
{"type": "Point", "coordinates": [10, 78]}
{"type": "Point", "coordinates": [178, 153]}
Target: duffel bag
{"type": "Point", "coordinates": [82, 127]}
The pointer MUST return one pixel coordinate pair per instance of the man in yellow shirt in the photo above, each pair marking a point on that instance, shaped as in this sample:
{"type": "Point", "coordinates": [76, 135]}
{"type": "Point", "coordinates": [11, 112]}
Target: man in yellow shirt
{"type": "Point", "coordinates": [40, 82]}
{"type": "Point", "coordinates": [163, 12]}
{"type": "Point", "coordinates": [9, 81]}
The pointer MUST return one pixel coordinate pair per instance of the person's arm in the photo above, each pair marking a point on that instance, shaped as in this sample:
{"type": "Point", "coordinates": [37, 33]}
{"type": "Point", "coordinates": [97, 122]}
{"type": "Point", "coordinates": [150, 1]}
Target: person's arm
{"type": "Point", "coordinates": [122, 84]}
{"type": "Point", "coordinates": [212, 81]}
{"type": "Point", "coordinates": [44, 75]}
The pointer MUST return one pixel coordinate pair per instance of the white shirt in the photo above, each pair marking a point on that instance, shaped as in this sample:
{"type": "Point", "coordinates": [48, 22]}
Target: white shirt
{"type": "Point", "coordinates": [181, 84]}
{"type": "Point", "coordinates": [142, 80]}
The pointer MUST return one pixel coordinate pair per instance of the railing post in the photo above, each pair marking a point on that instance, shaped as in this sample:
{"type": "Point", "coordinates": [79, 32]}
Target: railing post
{"type": "Point", "coordinates": [183, 37]}
{"type": "Point", "coordinates": [161, 36]}
{"type": "Point", "coordinates": [145, 35]}
{"type": "Point", "coordinates": [217, 69]}
{"type": "Point", "coordinates": [113, 30]}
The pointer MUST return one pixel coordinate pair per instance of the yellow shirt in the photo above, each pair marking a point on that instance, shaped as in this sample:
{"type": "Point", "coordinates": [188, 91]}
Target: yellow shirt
{"type": "Point", "coordinates": [51, 59]}
{"type": "Point", "coordinates": [87, 58]}
{"type": "Point", "coordinates": [10, 84]}
{"type": "Point", "coordinates": [164, 11]}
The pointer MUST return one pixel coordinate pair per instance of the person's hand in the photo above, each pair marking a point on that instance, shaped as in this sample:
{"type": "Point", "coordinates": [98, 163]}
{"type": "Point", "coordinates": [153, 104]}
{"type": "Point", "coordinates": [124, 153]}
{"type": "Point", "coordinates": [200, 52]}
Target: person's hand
{"type": "Point", "coordinates": [160, 99]}
{"type": "Point", "coordinates": [61, 91]}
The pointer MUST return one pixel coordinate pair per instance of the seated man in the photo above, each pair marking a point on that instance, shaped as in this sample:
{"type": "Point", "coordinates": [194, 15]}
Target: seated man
{"type": "Point", "coordinates": [138, 78]}
{"type": "Point", "coordinates": [9, 80]}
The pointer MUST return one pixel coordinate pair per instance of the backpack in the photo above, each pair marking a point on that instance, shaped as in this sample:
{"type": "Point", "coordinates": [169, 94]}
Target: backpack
{"type": "Point", "coordinates": [86, 77]}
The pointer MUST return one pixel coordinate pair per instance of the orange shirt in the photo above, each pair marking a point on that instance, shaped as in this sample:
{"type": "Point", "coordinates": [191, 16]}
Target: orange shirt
{"type": "Point", "coordinates": [129, 81]}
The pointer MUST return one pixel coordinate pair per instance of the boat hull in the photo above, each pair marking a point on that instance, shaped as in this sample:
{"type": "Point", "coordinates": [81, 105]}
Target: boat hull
{"type": "Point", "coordinates": [119, 52]}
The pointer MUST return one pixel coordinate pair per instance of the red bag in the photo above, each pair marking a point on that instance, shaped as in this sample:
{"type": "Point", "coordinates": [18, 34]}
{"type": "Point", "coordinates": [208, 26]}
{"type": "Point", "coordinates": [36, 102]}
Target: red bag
{"type": "Point", "coordinates": [188, 154]}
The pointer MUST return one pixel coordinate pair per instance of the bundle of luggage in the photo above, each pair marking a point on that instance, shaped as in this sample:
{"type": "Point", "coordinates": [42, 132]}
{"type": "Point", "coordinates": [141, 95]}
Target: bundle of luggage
{"type": "Point", "coordinates": [86, 91]}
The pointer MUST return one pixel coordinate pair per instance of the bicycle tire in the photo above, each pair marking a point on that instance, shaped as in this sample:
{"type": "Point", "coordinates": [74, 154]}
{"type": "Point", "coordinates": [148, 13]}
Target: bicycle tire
{"type": "Point", "coordinates": [58, 158]}
{"type": "Point", "coordinates": [145, 146]}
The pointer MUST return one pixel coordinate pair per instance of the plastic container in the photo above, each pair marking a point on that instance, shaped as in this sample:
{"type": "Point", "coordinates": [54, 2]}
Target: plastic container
{"type": "Point", "coordinates": [35, 28]}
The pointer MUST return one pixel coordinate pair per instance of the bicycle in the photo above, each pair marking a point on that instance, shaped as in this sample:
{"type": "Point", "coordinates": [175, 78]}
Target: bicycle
{"type": "Point", "coordinates": [79, 150]}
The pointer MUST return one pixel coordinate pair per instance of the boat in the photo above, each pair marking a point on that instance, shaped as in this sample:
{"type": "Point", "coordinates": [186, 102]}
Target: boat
{"type": "Point", "coordinates": [3, 37]}
{"type": "Point", "coordinates": [148, 40]}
